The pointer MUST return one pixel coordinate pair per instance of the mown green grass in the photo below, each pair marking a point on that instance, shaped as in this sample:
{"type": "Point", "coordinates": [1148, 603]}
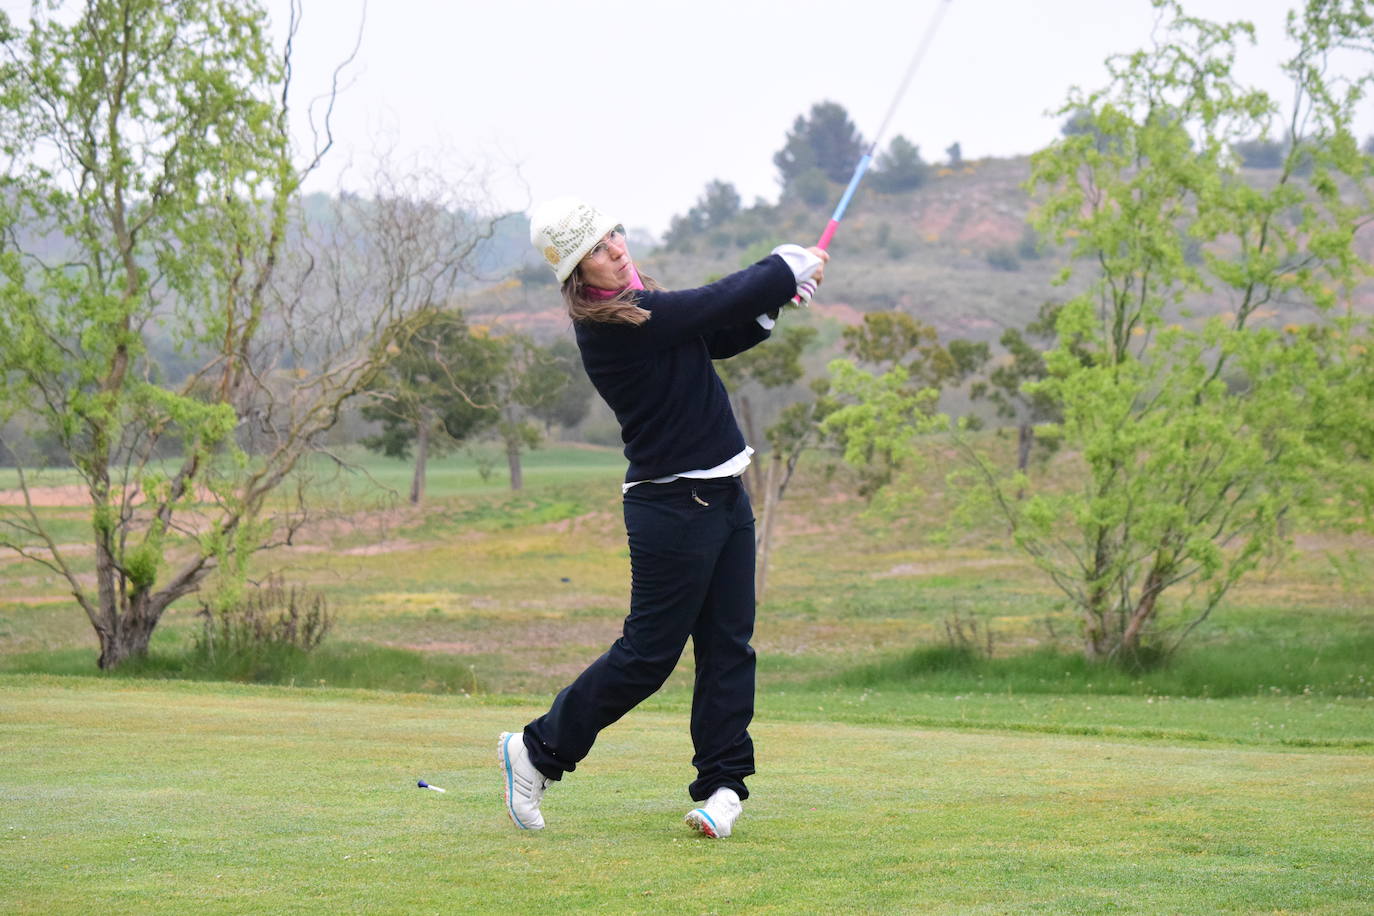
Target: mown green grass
{"type": "Point", "coordinates": [477, 471]}
{"type": "Point", "coordinates": [45, 477]}
{"type": "Point", "coordinates": [172, 797]}
{"type": "Point", "coordinates": [901, 770]}
{"type": "Point", "coordinates": [479, 468]}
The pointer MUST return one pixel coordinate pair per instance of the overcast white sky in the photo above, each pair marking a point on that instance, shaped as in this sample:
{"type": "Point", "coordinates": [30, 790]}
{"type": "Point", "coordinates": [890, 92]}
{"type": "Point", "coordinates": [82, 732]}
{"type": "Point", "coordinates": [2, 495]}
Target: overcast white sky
{"type": "Point", "coordinates": [635, 106]}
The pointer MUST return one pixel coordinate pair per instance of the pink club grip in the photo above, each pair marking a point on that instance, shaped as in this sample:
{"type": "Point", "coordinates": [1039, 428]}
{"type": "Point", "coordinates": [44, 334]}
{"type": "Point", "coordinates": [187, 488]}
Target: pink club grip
{"type": "Point", "coordinates": [828, 234]}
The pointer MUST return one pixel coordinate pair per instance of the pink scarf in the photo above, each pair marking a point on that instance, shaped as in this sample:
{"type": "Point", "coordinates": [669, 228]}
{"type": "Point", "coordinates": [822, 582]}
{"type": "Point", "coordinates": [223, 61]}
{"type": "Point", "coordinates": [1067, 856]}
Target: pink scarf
{"type": "Point", "coordinates": [602, 295]}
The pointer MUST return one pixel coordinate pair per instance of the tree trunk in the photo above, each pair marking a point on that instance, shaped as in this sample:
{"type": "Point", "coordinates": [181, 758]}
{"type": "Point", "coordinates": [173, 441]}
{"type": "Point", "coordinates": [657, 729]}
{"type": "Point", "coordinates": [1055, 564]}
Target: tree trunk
{"type": "Point", "coordinates": [1096, 641]}
{"type": "Point", "coordinates": [1025, 438]}
{"type": "Point", "coordinates": [517, 477]}
{"type": "Point", "coordinates": [130, 632]}
{"type": "Point", "coordinates": [750, 477]}
{"type": "Point", "coordinates": [417, 483]}
{"type": "Point", "coordinates": [1144, 611]}
{"type": "Point", "coordinates": [772, 496]}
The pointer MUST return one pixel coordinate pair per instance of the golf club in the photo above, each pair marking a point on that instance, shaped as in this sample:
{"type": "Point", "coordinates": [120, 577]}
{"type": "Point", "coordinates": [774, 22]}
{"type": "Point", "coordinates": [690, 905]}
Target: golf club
{"type": "Point", "coordinates": [806, 289]}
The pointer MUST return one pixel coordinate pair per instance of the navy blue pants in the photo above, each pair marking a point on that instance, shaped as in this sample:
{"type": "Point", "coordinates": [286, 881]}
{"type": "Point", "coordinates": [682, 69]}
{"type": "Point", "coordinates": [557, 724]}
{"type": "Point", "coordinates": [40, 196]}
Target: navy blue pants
{"type": "Point", "coordinates": [691, 574]}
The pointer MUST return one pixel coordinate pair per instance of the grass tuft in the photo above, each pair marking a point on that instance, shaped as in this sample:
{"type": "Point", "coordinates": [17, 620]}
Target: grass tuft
{"type": "Point", "coordinates": [355, 665]}
{"type": "Point", "coordinates": [1218, 670]}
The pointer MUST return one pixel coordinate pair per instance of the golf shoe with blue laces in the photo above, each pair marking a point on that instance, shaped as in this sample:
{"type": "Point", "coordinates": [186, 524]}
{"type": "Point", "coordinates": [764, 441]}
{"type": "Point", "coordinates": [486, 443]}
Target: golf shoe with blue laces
{"type": "Point", "coordinates": [716, 819]}
{"type": "Point", "coordinates": [522, 785]}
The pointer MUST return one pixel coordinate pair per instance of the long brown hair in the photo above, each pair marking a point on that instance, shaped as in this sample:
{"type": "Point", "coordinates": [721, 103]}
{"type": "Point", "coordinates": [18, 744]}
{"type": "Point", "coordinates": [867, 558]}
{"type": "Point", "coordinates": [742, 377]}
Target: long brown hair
{"type": "Point", "coordinates": [621, 309]}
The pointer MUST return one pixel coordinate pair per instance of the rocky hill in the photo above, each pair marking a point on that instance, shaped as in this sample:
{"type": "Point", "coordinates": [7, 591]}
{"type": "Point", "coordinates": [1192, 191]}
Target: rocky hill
{"type": "Point", "coordinates": [956, 253]}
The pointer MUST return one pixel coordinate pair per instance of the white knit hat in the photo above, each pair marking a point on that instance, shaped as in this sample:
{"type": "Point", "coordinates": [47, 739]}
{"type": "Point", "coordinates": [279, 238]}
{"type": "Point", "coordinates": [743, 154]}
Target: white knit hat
{"type": "Point", "coordinates": [564, 229]}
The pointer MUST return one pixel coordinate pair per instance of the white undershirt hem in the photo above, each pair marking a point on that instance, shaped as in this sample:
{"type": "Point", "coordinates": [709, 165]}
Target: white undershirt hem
{"type": "Point", "coordinates": [732, 468]}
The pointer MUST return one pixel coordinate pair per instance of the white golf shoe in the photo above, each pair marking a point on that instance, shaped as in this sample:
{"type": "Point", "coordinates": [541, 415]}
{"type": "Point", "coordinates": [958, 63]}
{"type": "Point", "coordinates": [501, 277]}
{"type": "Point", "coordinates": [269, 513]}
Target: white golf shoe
{"type": "Point", "coordinates": [717, 817]}
{"type": "Point", "coordinates": [522, 785]}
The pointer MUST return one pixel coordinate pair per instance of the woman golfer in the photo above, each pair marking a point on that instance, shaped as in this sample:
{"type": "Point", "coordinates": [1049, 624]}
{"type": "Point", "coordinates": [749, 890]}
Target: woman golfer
{"type": "Point", "coordinates": [691, 528]}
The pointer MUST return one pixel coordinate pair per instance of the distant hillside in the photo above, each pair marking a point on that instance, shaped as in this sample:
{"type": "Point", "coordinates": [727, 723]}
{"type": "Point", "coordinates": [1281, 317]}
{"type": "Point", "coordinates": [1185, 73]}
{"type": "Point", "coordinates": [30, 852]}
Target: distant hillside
{"type": "Point", "coordinates": [956, 253]}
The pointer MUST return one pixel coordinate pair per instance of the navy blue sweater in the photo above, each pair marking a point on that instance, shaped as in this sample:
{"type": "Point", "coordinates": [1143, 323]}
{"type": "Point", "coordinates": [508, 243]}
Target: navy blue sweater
{"type": "Point", "coordinates": [657, 376]}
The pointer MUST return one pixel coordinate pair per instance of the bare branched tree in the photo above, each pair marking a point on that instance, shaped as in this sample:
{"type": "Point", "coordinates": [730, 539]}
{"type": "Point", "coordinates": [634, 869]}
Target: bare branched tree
{"type": "Point", "coordinates": [153, 195]}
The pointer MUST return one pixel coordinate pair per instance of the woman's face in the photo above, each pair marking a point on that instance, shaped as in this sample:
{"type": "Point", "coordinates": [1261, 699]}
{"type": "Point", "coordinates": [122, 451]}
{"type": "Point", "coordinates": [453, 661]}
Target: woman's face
{"type": "Point", "coordinates": [607, 266]}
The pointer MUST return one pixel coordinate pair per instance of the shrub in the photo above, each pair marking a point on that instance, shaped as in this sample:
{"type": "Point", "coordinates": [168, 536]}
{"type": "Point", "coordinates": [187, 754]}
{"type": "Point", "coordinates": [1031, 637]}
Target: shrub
{"type": "Point", "coordinates": [535, 275]}
{"type": "Point", "coordinates": [1004, 257]}
{"type": "Point", "coordinates": [269, 618]}
{"type": "Point", "coordinates": [1260, 153]}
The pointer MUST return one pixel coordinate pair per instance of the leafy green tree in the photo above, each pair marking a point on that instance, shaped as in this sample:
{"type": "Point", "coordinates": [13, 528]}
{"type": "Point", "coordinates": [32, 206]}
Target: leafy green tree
{"type": "Point", "coordinates": [148, 189]}
{"type": "Point", "coordinates": [879, 420]}
{"type": "Point", "coordinates": [718, 204]}
{"type": "Point", "coordinates": [916, 365]}
{"type": "Point", "coordinates": [436, 392]}
{"type": "Point", "coordinates": [144, 135]}
{"type": "Point", "coordinates": [900, 168]}
{"type": "Point", "coordinates": [812, 188]}
{"type": "Point", "coordinates": [886, 339]}
{"type": "Point", "coordinates": [1198, 440]}
{"type": "Point", "coordinates": [773, 365]}
{"type": "Point", "coordinates": [1080, 122]}
{"type": "Point", "coordinates": [955, 154]}
{"type": "Point", "coordinates": [529, 378]}
{"type": "Point", "coordinates": [1010, 385]}
{"type": "Point", "coordinates": [827, 140]}
{"type": "Point", "coordinates": [574, 399]}
{"type": "Point", "coordinates": [1003, 257]}
{"type": "Point", "coordinates": [799, 428]}
{"type": "Point", "coordinates": [1029, 247]}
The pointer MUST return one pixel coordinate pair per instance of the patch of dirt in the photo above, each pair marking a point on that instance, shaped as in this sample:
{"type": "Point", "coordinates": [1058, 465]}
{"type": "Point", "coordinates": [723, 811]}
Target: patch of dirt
{"type": "Point", "coordinates": [597, 521]}
{"type": "Point", "coordinates": [452, 647]}
{"type": "Point", "coordinates": [1315, 543]}
{"type": "Point", "coordinates": [37, 599]}
{"type": "Point", "coordinates": [328, 527]}
{"type": "Point", "coordinates": [838, 311]}
{"type": "Point", "coordinates": [944, 566]}
{"type": "Point", "coordinates": [7, 553]}
{"type": "Point", "coordinates": [380, 547]}
{"type": "Point", "coordinates": [532, 635]}
{"type": "Point", "coordinates": [572, 601]}
{"type": "Point", "coordinates": [992, 230]}
{"type": "Point", "coordinates": [318, 534]}
{"type": "Point", "coordinates": [540, 322]}
{"type": "Point", "coordinates": [70, 495]}
{"type": "Point", "coordinates": [48, 497]}
{"type": "Point", "coordinates": [802, 527]}
{"type": "Point", "coordinates": [935, 219]}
